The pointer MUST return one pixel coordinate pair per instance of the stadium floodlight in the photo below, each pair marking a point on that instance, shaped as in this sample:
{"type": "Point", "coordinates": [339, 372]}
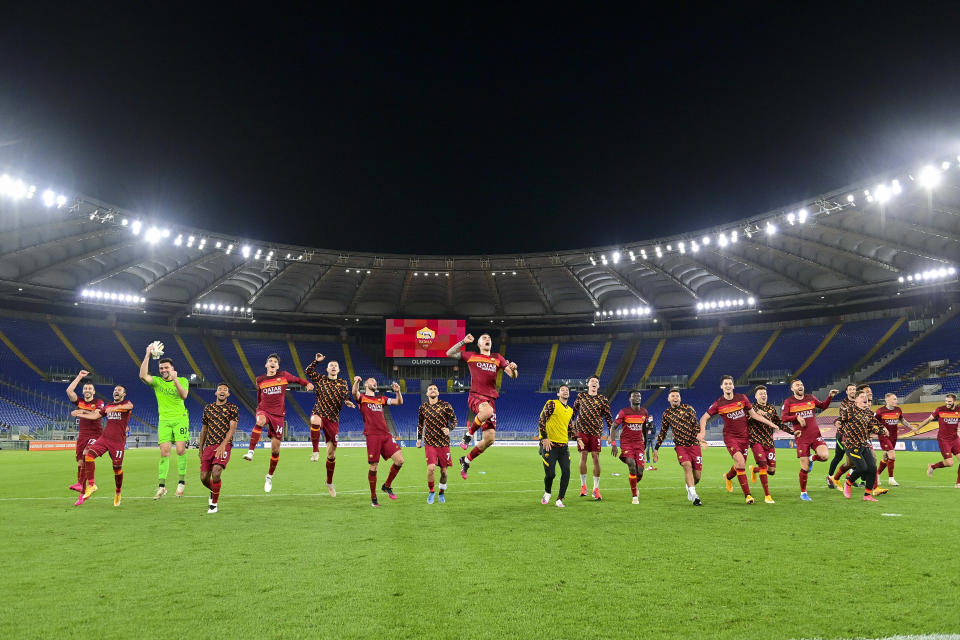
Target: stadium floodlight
{"type": "Point", "coordinates": [596, 313]}
{"type": "Point", "coordinates": [165, 233]}
{"type": "Point", "coordinates": [791, 218]}
{"type": "Point", "coordinates": [669, 247]}
{"type": "Point", "coordinates": [49, 198]}
{"type": "Point", "coordinates": [229, 248]}
{"type": "Point", "coordinates": [123, 222]}
{"type": "Point", "coordinates": [945, 165]}
{"type": "Point", "coordinates": [178, 240]}
{"type": "Point", "coordinates": [593, 261]}
{"type": "Point", "coordinates": [643, 253]}
{"type": "Point", "coordinates": [771, 228]}
{"type": "Point", "coordinates": [929, 176]}
{"type": "Point", "coordinates": [699, 306]}
{"type": "Point", "coordinates": [619, 312]}
{"type": "Point", "coordinates": [633, 256]}
{"type": "Point", "coordinates": [190, 241]}
{"type": "Point", "coordinates": [802, 216]}
{"type": "Point", "coordinates": [694, 246]}
{"type": "Point", "coordinates": [751, 301]}
{"type": "Point", "coordinates": [61, 200]}
{"type": "Point", "coordinates": [705, 241]}
{"type": "Point", "coordinates": [882, 193]}
{"type": "Point", "coordinates": [603, 259]}
{"type": "Point", "coordinates": [135, 227]}
{"type": "Point", "coordinates": [616, 259]}
{"type": "Point", "coordinates": [245, 251]}
{"type": "Point", "coordinates": [682, 247]}
{"type": "Point", "coordinates": [658, 251]}
{"type": "Point", "coordinates": [152, 235]}
{"type": "Point", "coordinates": [734, 236]}
{"type": "Point", "coordinates": [220, 244]}
{"type": "Point", "coordinates": [850, 198]}
{"type": "Point", "coordinates": [196, 306]}
{"type": "Point", "coordinates": [722, 240]}
{"type": "Point", "coordinates": [951, 271]}
{"type": "Point", "coordinates": [895, 187]}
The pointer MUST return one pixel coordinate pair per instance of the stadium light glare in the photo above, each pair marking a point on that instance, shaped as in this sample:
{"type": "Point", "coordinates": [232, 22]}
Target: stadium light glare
{"type": "Point", "coordinates": [802, 216]}
{"type": "Point", "coordinates": [658, 251]}
{"type": "Point", "coordinates": [61, 200]}
{"type": "Point", "coordinates": [669, 247]}
{"type": "Point", "coordinates": [643, 253]}
{"type": "Point", "coordinates": [49, 198]}
{"type": "Point", "coordinates": [945, 165]}
{"type": "Point", "coordinates": [593, 261]}
{"type": "Point", "coordinates": [219, 244]}
{"type": "Point", "coordinates": [705, 241]}
{"type": "Point", "coordinates": [123, 222]}
{"type": "Point", "coordinates": [603, 259]}
{"type": "Point", "coordinates": [751, 301]}
{"type": "Point", "coordinates": [165, 233]}
{"type": "Point", "coordinates": [722, 240]}
{"type": "Point", "coordinates": [178, 240]}
{"type": "Point", "coordinates": [895, 187]}
{"type": "Point", "coordinates": [152, 235]}
{"type": "Point", "coordinates": [734, 236]}
{"type": "Point", "coordinates": [850, 198]}
{"type": "Point", "coordinates": [615, 256]}
{"type": "Point", "coordinates": [882, 193]}
{"type": "Point", "coordinates": [682, 247]}
{"type": "Point", "coordinates": [245, 251]}
{"type": "Point", "coordinates": [694, 246]}
{"type": "Point", "coordinates": [929, 176]}
{"type": "Point", "coordinates": [791, 218]}
{"type": "Point", "coordinates": [771, 228]}
{"type": "Point", "coordinates": [135, 227]}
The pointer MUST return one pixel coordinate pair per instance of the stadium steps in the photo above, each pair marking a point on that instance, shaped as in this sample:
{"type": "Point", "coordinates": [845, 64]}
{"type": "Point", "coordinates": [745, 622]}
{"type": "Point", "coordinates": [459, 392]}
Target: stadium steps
{"type": "Point", "coordinates": [296, 359]}
{"type": "Point", "coordinates": [603, 359]}
{"type": "Point", "coordinates": [73, 350]}
{"type": "Point", "coordinates": [763, 352]}
{"type": "Point", "coordinates": [816, 352]}
{"type": "Point", "coordinates": [290, 400]}
{"type": "Point", "coordinates": [23, 358]}
{"type": "Point", "coordinates": [654, 358]}
{"type": "Point", "coordinates": [882, 341]}
{"type": "Point", "coordinates": [238, 389]}
{"type": "Point", "coordinates": [189, 357]}
{"type": "Point", "coordinates": [348, 360]}
{"type": "Point", "coordinates": [623, 367]}
{"type": "Point", "coordinates": [551, 362]}
{"type": "Point", "coordinates": [703, 363]}
{"type": "Point", "coordinates": [503, 352]}
{"type": "Point", "coordinates": [39, 414]}
{"type": "Point", "coordinates": [652, 397]}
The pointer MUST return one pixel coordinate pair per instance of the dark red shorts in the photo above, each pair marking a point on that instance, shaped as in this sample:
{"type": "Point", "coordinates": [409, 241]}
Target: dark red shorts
{"type": "Point", "coordinates": [380, 447]}
{"type": "Point", "coordinates": [765, 456]}
{"type": "Point", "coordinates": [949, 446]}
{"type": "Point", "coordinates": [888, 443]}
{"type": "Point", "coordinates": [474, 400]}
{"type": "Point", "coordinates": [209, 457]}
{"type": "Point", "coordinates": [439, 456]}
{"type": "Point", "coordinates": [274, 424]}
{"type": "Point", "coordinates": [634, 453]}
{"type": "Point", "coordinates": [736, 444]}
{"type": "Point", "coordinates": [590, 443]}
{"type": "Point", "coordinates": [115, 449]}
{"type": "Point", "coordinates": [84, 440]}
{"type": "Point", "coordinates": [805, 445]}
{"type": "Point", "coordinates": [330, 430]}
{"type": "Point", "coordinates": [690, 454]}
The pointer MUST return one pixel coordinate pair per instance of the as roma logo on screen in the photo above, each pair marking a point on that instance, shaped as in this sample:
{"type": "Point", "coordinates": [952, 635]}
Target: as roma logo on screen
{"type": "Point", "coordinates": [425, 337]}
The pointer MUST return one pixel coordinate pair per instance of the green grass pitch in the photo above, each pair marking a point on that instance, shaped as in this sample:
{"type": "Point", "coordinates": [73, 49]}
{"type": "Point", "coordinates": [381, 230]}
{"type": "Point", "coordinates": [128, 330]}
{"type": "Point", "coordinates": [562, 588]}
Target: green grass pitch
{"type": "Point", "coordinates": [492, 562]}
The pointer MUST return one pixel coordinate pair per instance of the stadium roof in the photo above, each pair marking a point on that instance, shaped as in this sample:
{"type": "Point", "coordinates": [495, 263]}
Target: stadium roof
{"type": "Point", "coordinates": [864, 242]}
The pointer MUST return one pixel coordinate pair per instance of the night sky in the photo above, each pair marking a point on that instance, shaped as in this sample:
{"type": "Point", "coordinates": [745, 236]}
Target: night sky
{"type": "Point", "coordinates": [447, 130]}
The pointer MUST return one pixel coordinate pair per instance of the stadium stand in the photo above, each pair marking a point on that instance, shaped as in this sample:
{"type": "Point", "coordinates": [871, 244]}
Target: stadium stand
{"type": "Point", "coordinates": [938, 345]}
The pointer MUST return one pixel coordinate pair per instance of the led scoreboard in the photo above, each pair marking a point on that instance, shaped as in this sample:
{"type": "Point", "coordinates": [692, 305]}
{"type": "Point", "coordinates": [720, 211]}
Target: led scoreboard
{"type": "Point", "coordinates": [422, 338]}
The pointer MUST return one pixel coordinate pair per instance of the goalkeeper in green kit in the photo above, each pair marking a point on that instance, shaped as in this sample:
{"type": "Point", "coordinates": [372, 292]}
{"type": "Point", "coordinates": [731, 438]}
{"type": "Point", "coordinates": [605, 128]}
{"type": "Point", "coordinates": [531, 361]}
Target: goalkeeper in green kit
{"type": "Point", "coordinates": [173, 425]}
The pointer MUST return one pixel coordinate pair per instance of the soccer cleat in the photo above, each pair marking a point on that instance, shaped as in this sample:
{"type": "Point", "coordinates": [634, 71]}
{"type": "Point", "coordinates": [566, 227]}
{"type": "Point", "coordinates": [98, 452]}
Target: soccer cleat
{"type": "Point", "coordinates": [248, 455]}
{"type": "Point", "coordinates": [831, 483]}
{"type": "Point", "coordinates": [161, 491]}
{"type": "Point", "coordinates": [635, 500]}
{"type": "Point", "coordinates": [465, 442]}
{"type": "Point", "coordinates": [753, 473]}
{"type": "Point", "coordinates": [768, 499]}
{"type": "Point", "coordinates": [869, 498]}
{"type": "Point", "coordinates": [893, 483]}
{"type": "Point", "coordinates": [879, 491]}
{"type": "Point", "coordinates": [211, 509]}
{"type": "Point", "coordinates": [957, 486]}
{"type": "Point", "coordinates": [91, 489]}
{"type": "Point", "coordinates": [430, 497]}
{"type": "Point", "coordinates": [560, 504]}
{"type": "Point", "coordinates": [374, 503]}
{"type": "Point", "coordinates": [805, 497]}
{"type": "Point", "coordinates": [838, 484]}
{"type": "Point", "coordinates": [79, 501]}
{"type": "Point", "coordinates": [545, 499]}
{"type": "Point", "coordinates": [464, 467]}
{"type": "Point", "coordinates": [388, 491]}
{"type": "Point", "coordinates": [442, 498]}
{"type": "Point", "coordinates": [749, 499]}
{"type": "Point", "coordinates": [696, 502]}
{"type": "Point", "coordinates": [728, 482]}
{"type": "Point", "coordinates": [583, 491]}
{"type": "Point", "coordinates": [180, 488]}
{"type": "Point", "coordinates": [651, 468]}
{"type": "Point", "coordinates": [268, 484]}
{"type": "Point", "coordinates": [315, 456]}
{"type": "Point", "coordinates": [929, 470]}
{"type": "Point", "coordinates": [596, 494]}
{"type": "Point", "coordinates": [76, 487]}
{"type": "Point", "coordinates": [116, 499]}
{"type": "Point", "coordinates": [332, 489]}
{"type": "Point", "coordinates": [846, 489]}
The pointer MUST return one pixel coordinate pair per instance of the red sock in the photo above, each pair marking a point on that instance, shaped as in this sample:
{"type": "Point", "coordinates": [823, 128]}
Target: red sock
{"type": "Point", "coordinates": [89, 466]}
{"type": "Point", "coordinates": [475, 426]}
{"type": "Point", "coordinates": [274, 458]}
{"type": "Point", "coordinates": [939, 465]}
{"type": "Point", "coordinates": [118, 477]}
{"type": "Point", "coordinates": [731, 473]}
{"type": "Point", "coordinates": [883, 465]}
{"type": "Point", "coordinates": [394, 470]}
{"type": "Point", "coordinates": [330, 465]}
{"type": "Point", "coordinates": [742, 477]}
{"type": "Point", "coordinates": [80, 473]}
{"type": "Point", "coordinates": [803, 480]}
{"type": "Point", "coordinates": [315, 438]}
{"type": "Point", "coordinates": [633, 485]}
{"type": "Point", "coordinates": [958, 475]}
{"type": "Point", "coordinates": [215, 491]}
{"type": "Point", "coordinates": [890, 468]}
{"type": "Point", "coordinates": [430, 485]}
{"type": "Point", "coordinates": [764, 481]}
{"type": "Point", "coordinates": [255, 437]}
{"type": "Point", "coordinates": [473, 454]}
{"type": "Point", "coordinates": [372, 477]}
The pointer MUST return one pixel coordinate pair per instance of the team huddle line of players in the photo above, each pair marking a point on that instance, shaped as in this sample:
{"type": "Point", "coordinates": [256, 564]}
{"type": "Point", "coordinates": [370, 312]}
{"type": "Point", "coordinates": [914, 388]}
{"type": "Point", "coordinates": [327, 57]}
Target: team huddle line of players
{"type": "Point", "coordinates": [747, 426]}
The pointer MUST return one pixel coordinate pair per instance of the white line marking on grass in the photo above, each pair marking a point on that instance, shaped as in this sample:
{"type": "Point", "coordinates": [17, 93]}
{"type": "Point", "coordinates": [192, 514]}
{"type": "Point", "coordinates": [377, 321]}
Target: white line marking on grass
{"type": "Point", "coordinates": [892, 515]}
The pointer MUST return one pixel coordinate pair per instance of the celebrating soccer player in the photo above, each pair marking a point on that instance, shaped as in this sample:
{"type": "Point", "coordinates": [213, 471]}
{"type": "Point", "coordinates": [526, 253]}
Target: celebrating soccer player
{"type": "Point", "coordinates": [112, 441]}
{"type": "Point", "coordinates": [589, 412]}
{"type": "Point", "coordinates": [947, 416]}
{"type": "Point", "coordinates": [846, 405]}
{"type": "Point", "coordinates": [687, 438]}
{"type": "Point", "coordinates": [631, 425]}
{"type": "Point", "coordinates": [272, 411]}
{"type": "Point", "coordinates": [216, 440]}
{"type": "Point", "coordinates": [761, 441]}
{"type": "Point", "coordinates": [555, 433]}
{"type": "Point", "coordinates": [856, 427]}
{"type": "Point", "coordinates": [380, 442]}
{"type": "Point", "coordinates": [799, 409]}
{"type": "Point", "coordinates": [483, 366]}
{"type": "Point", "coordinates": [435, 420]}
{"type": "Point", "coordinates": [173, 425]}
{"type": "Point", "coordinates": [88, 430]}
{"type": "Point", "coordinates": [332, 393]}
{"type": "Point", "coordinates": [735, 408]}
{"type": "Point", "coordinates": [891, 416]}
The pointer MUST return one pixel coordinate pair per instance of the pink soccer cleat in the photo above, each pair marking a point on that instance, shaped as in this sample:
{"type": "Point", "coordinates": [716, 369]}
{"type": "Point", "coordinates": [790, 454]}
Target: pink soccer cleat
{"type": "Point", "coordinates": [76, 487]}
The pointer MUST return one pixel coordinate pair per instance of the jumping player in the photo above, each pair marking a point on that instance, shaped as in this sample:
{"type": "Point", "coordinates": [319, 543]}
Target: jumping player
{"type": "Point", "coordinates": [272, 411]}
{"type": "Point", "coordinates": [380, 442]}
{"type": "Point", "coordinates": [332, 393]}
{"type": "Point", "coordinates": [890, 416]}
{"type": "Point", "coordinates": [589, 412]}
{"type": "Point", "coordinates": [687, 439]}
{"type": "Point", "coordinates": [555, 431]}
{"type": "Point", "coordinates": [483, 366]}
{"type": "Point", "coordinates": [216, 440]}
{"type": "Point", "coordinates": [435, 420]}
{"type": "Point", "coordinates": [856, 427]}
{"type": "Point", "coordinates": [761, 441]}
{"type": "Point", "coordinates": [734, 408]}
{"type": "Point", "coordinates": [799, 409]}
{"type": "Point", "coordinates": [173, 424]}
{"type": "Point", "coordinates": [846, 405]}
{"type": "Point", "coordinates": [112, 441]}
{"type": "Point", "coordinates": [630, 426]}
{"type": "Point", "coordinates": [947, 416]}
{"type": "Point", "coordinates": [88, 430]}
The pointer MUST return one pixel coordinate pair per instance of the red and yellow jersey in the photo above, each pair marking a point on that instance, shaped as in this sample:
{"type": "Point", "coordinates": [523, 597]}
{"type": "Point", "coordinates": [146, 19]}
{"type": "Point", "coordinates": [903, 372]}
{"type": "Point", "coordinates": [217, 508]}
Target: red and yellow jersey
{"type": "Point", "coordinates": [948, 419]}
{"type": "Point", "coordinates": [374, 421]}
{"type": "Point", "coordinates": [734, 413]}
{"type": "Point", "coordinates": [634, 426]}
{"type": "Point", "coordinates": [802, 411]}
{"type": "Point", "coordinates": [890, 418]}
{"type": "Point", "coordinates": [483, 372]}
{"type": "Point", "coordinates": [117, 418]}
{"type": "Point", "coordinates": [90, 428]}
{"type": "Point", "coordinates": [271, 392]}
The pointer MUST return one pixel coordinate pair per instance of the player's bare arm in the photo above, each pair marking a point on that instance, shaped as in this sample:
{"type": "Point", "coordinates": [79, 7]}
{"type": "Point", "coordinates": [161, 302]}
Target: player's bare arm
{"type": "Point", "coordinates": [454, 351]}
{"type": "Point", "coordinates": [145, 365]}
{"type": "Point", "coordinates": [396, 390]}
{"type": "Point", "coordinates": [71, 388]}
{"type": "Point", "coordinates": [180, 390]}
{"type": "Point", "coordinates": [356, 388]}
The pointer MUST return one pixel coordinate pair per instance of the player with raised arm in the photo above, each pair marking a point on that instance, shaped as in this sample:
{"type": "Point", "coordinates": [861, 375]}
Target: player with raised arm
{"type": "Point", "coordinates": [483, 366]}
{"type": "Point", "coordinates": [332, 393]}
{"type": "Point", "coordinates": [687, 438]}
{"type": "Point", "coordinates": [891, 416]}
{"type": "Point", "coordinates": [380, 442]}
{"type": "Point", "coordinates": [216, 441]}
{"type": "Point", "coordinates": [113, 440]}
{"type": "Point", "coordinates": [947, 416]}
{"type": "Point", "coordinates": [272, 411]}
{"type": "Point", "coordinates": [173, 423]}
{"type": "Point", "coordinates": [630, 426]}
{"type": "Point", "coordinates": [856, 427]}
{"type": "Point", "coordinates": [435, 420]}
{"type": "Point", "coordinates": [761, 441]}
{"type": "Point", "coordinates": [88, 430]}
{"type": "Point", "coordinates": [555, 432]}
{"type": "Point", "coordinates": [846, 405]}
{"type": "Point", "coordinates": [800, 409]}
{"type": "Point", "coordinates": [590, 410]}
